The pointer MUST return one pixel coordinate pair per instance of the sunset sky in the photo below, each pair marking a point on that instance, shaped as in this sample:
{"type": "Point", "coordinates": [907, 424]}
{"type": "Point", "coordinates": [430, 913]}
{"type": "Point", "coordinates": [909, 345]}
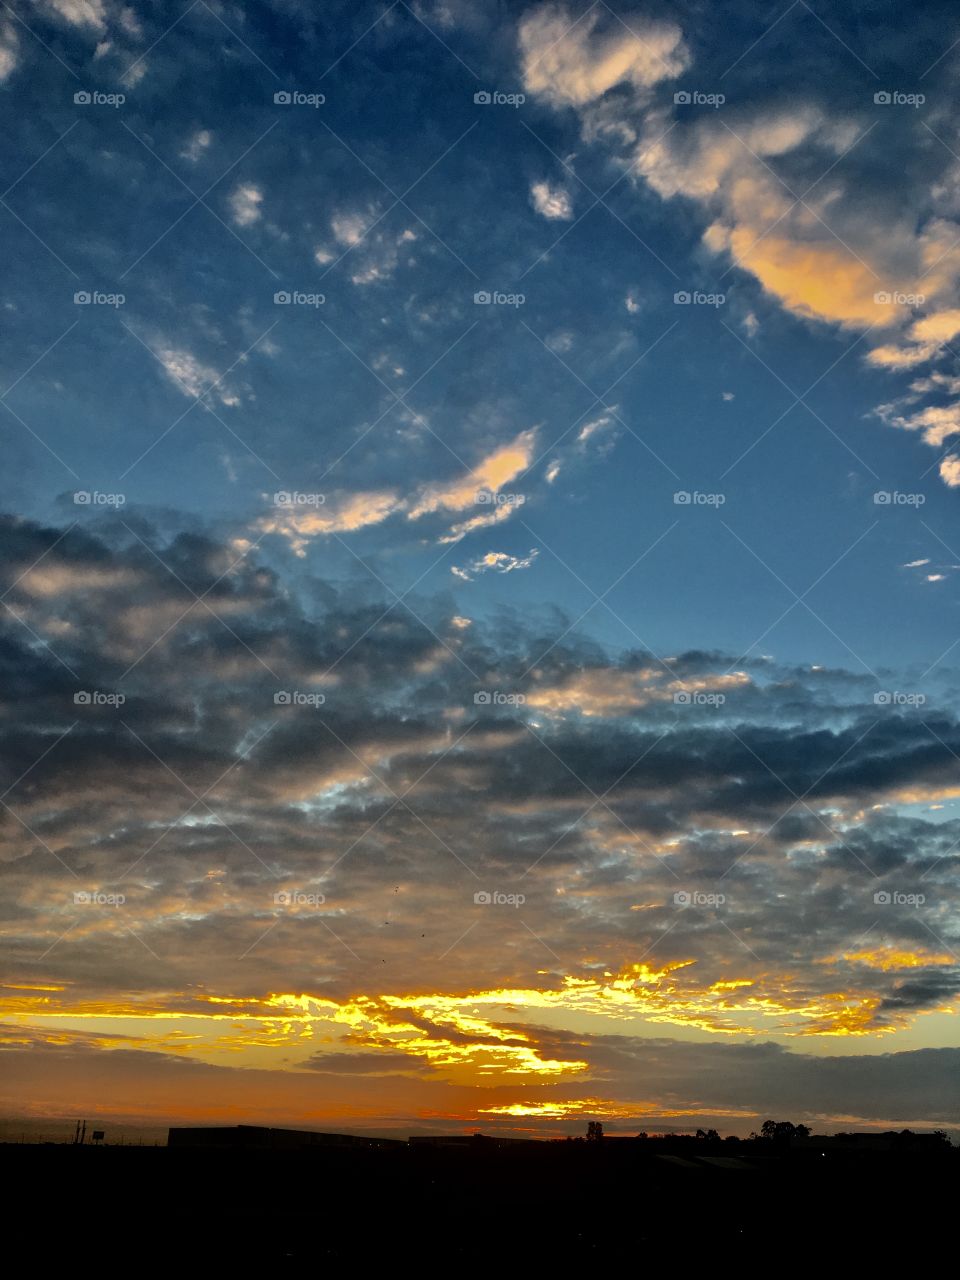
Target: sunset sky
{"type": "Point", "coordinates": [480, 565]}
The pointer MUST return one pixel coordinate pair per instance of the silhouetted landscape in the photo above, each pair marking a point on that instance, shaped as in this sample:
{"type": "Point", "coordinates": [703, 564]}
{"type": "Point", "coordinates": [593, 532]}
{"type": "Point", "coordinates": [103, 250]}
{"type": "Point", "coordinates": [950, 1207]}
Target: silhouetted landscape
{"type": "Point", "coordinates": [246, 1193]}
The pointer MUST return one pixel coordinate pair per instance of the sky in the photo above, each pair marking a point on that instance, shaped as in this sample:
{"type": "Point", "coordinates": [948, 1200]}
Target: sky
{"type": "Point", "coordinates": [478, 556]}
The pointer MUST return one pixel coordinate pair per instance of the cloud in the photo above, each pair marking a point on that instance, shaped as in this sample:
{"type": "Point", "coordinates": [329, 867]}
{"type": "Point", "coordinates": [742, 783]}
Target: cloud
{"type": "Point", "coordinates": [478, 489]}
{"type": "Point", "coordinates": [80, 13]}
{"type": "Point", "coordinates": [830, 250]}
{"type": "Point", "coordinates": [378, 252]}
{"type": "Point", "coordinates": [950, 471]}
{"type": "Point", "coordinates": [300, 797]}
{"type": "Point", "coordinates": [196, 145]}
{"type": "Point", "coordinates": [924, 338]}
{"type": "Point", "coordinates": [551, 202]}
{"type": "Point", "coordinates": [571, 62]}
{"type": "Point", "coordinates": [495, 562]}
{"type": "Point", "coordinates": [342, 513]}
{"type": "Point", "coordinates": [191, 376]}
{"type": "Point", "coordinates": [245, 202]}
{"type": "Point", "coordinates": [9, 44]}
{"type": "Point", "coordinates": [488, 477]}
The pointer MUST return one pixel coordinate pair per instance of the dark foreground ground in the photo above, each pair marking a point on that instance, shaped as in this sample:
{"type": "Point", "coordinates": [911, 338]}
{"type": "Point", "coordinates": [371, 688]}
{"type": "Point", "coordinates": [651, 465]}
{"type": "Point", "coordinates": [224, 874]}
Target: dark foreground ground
{"type": "Point", "coordinates": [501, 1210]}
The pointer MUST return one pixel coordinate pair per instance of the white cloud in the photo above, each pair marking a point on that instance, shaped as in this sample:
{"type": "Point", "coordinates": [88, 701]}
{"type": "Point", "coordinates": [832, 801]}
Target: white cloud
{"type": "Point", "coordinates": [8, 50]}
{"type": "Point", "coordinates": [916, 564]}
{"type": "Point", "coordinates": [350, 228]}
{"type": "Point", "coordinates": [631, 303]}
{"type": "Point", "coordinates": [551, 202]}
{"type": "Point", "coordinates": [592, 428]}
{"type": "Point", "coordinates": [378, 254]}
{"type": "Point", "coordinates": [489, 476]}
{"type": "Point", "coordinates": [245, 204]}
{"type": "Point", "coordinates": [191, 376]}
{"type": "Point", "coordinates": [494, 562]}
{"type": "Point", "coordinates": [950, 471]}
{"type": "Point", "coordinates": [837, 256]}
{"type": "Point", "coordinates": [81, 13]}
{"type": "Point", "coordinates": [342, 513]}
{"type": "Point", "coordinates": [347, 512]}
{"type": "Point", "coordinates": [568, 62]}
{"type": "Point", "coordinates": [197, 145]}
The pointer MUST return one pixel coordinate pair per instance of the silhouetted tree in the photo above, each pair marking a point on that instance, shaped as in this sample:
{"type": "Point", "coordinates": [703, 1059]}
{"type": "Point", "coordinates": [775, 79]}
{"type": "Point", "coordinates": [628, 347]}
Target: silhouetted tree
{"type": "Point", "coordinates": [781, 1130]}
{"type": "Point", "coordinates": [594, 1131]}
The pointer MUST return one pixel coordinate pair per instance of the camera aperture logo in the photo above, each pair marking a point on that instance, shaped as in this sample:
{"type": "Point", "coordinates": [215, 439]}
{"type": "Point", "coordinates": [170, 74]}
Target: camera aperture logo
{"type": "Point", "coordinates": [896, 898]}
{"type": "Point", "coordinates": [98, 298]}
{"type": "Point", "coordinates": [97, 898]}
{"type": "Point", "coordinates": [94, 98]}
{"type": "Point", "coordinates": [297, 98]}
{"type": "Point", "coordinates": [897, 698]}
{"type": "Point", "coordinates": [697, 98]}
{"type": "Point", "coordinates": [496, 98]}
{"type": "Point", "coordinates": [896, 98]}
{"type": "Point", "coordinates": [286, 498]}
{"type": "Point", "coordinates": [698, 698]}
{"type": "Point", "coordinates": [487, 498]}
{"type": "Point", "coordinates": [294, 698]}
{"type": "Point", "coordinates": [894, 498]}
{"type": "Point", "coordinates": [697, 298]}
{"type": "Point", "coordinates": [497, 698]}
{"type": "Point", "coordinates": [486, 898]}
{"type": "Point", "coordinates": [497, 298]}
{"type": "Point", "coordinates": [694, 498]}
{"type": "Point", "coordinates": [695, 898]}
{"type": "Point", "coordinates": [97, 698]}
{"type": "Point", "coordinates": [298, 298]}
{"type": "Point", "coordinates": [94, 498]}
{"type": "Point", "coordinates": [894, 298]}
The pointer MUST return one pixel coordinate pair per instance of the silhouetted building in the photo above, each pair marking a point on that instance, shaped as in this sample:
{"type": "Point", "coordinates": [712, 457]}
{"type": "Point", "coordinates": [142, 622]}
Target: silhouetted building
{"type": "Point", "coordinates": [248, 1136]}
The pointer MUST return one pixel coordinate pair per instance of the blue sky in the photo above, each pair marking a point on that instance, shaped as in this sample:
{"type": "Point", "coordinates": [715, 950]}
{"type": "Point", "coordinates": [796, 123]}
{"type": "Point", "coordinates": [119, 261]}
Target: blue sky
{"type": "Point", "coordinates": [701, 439]}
